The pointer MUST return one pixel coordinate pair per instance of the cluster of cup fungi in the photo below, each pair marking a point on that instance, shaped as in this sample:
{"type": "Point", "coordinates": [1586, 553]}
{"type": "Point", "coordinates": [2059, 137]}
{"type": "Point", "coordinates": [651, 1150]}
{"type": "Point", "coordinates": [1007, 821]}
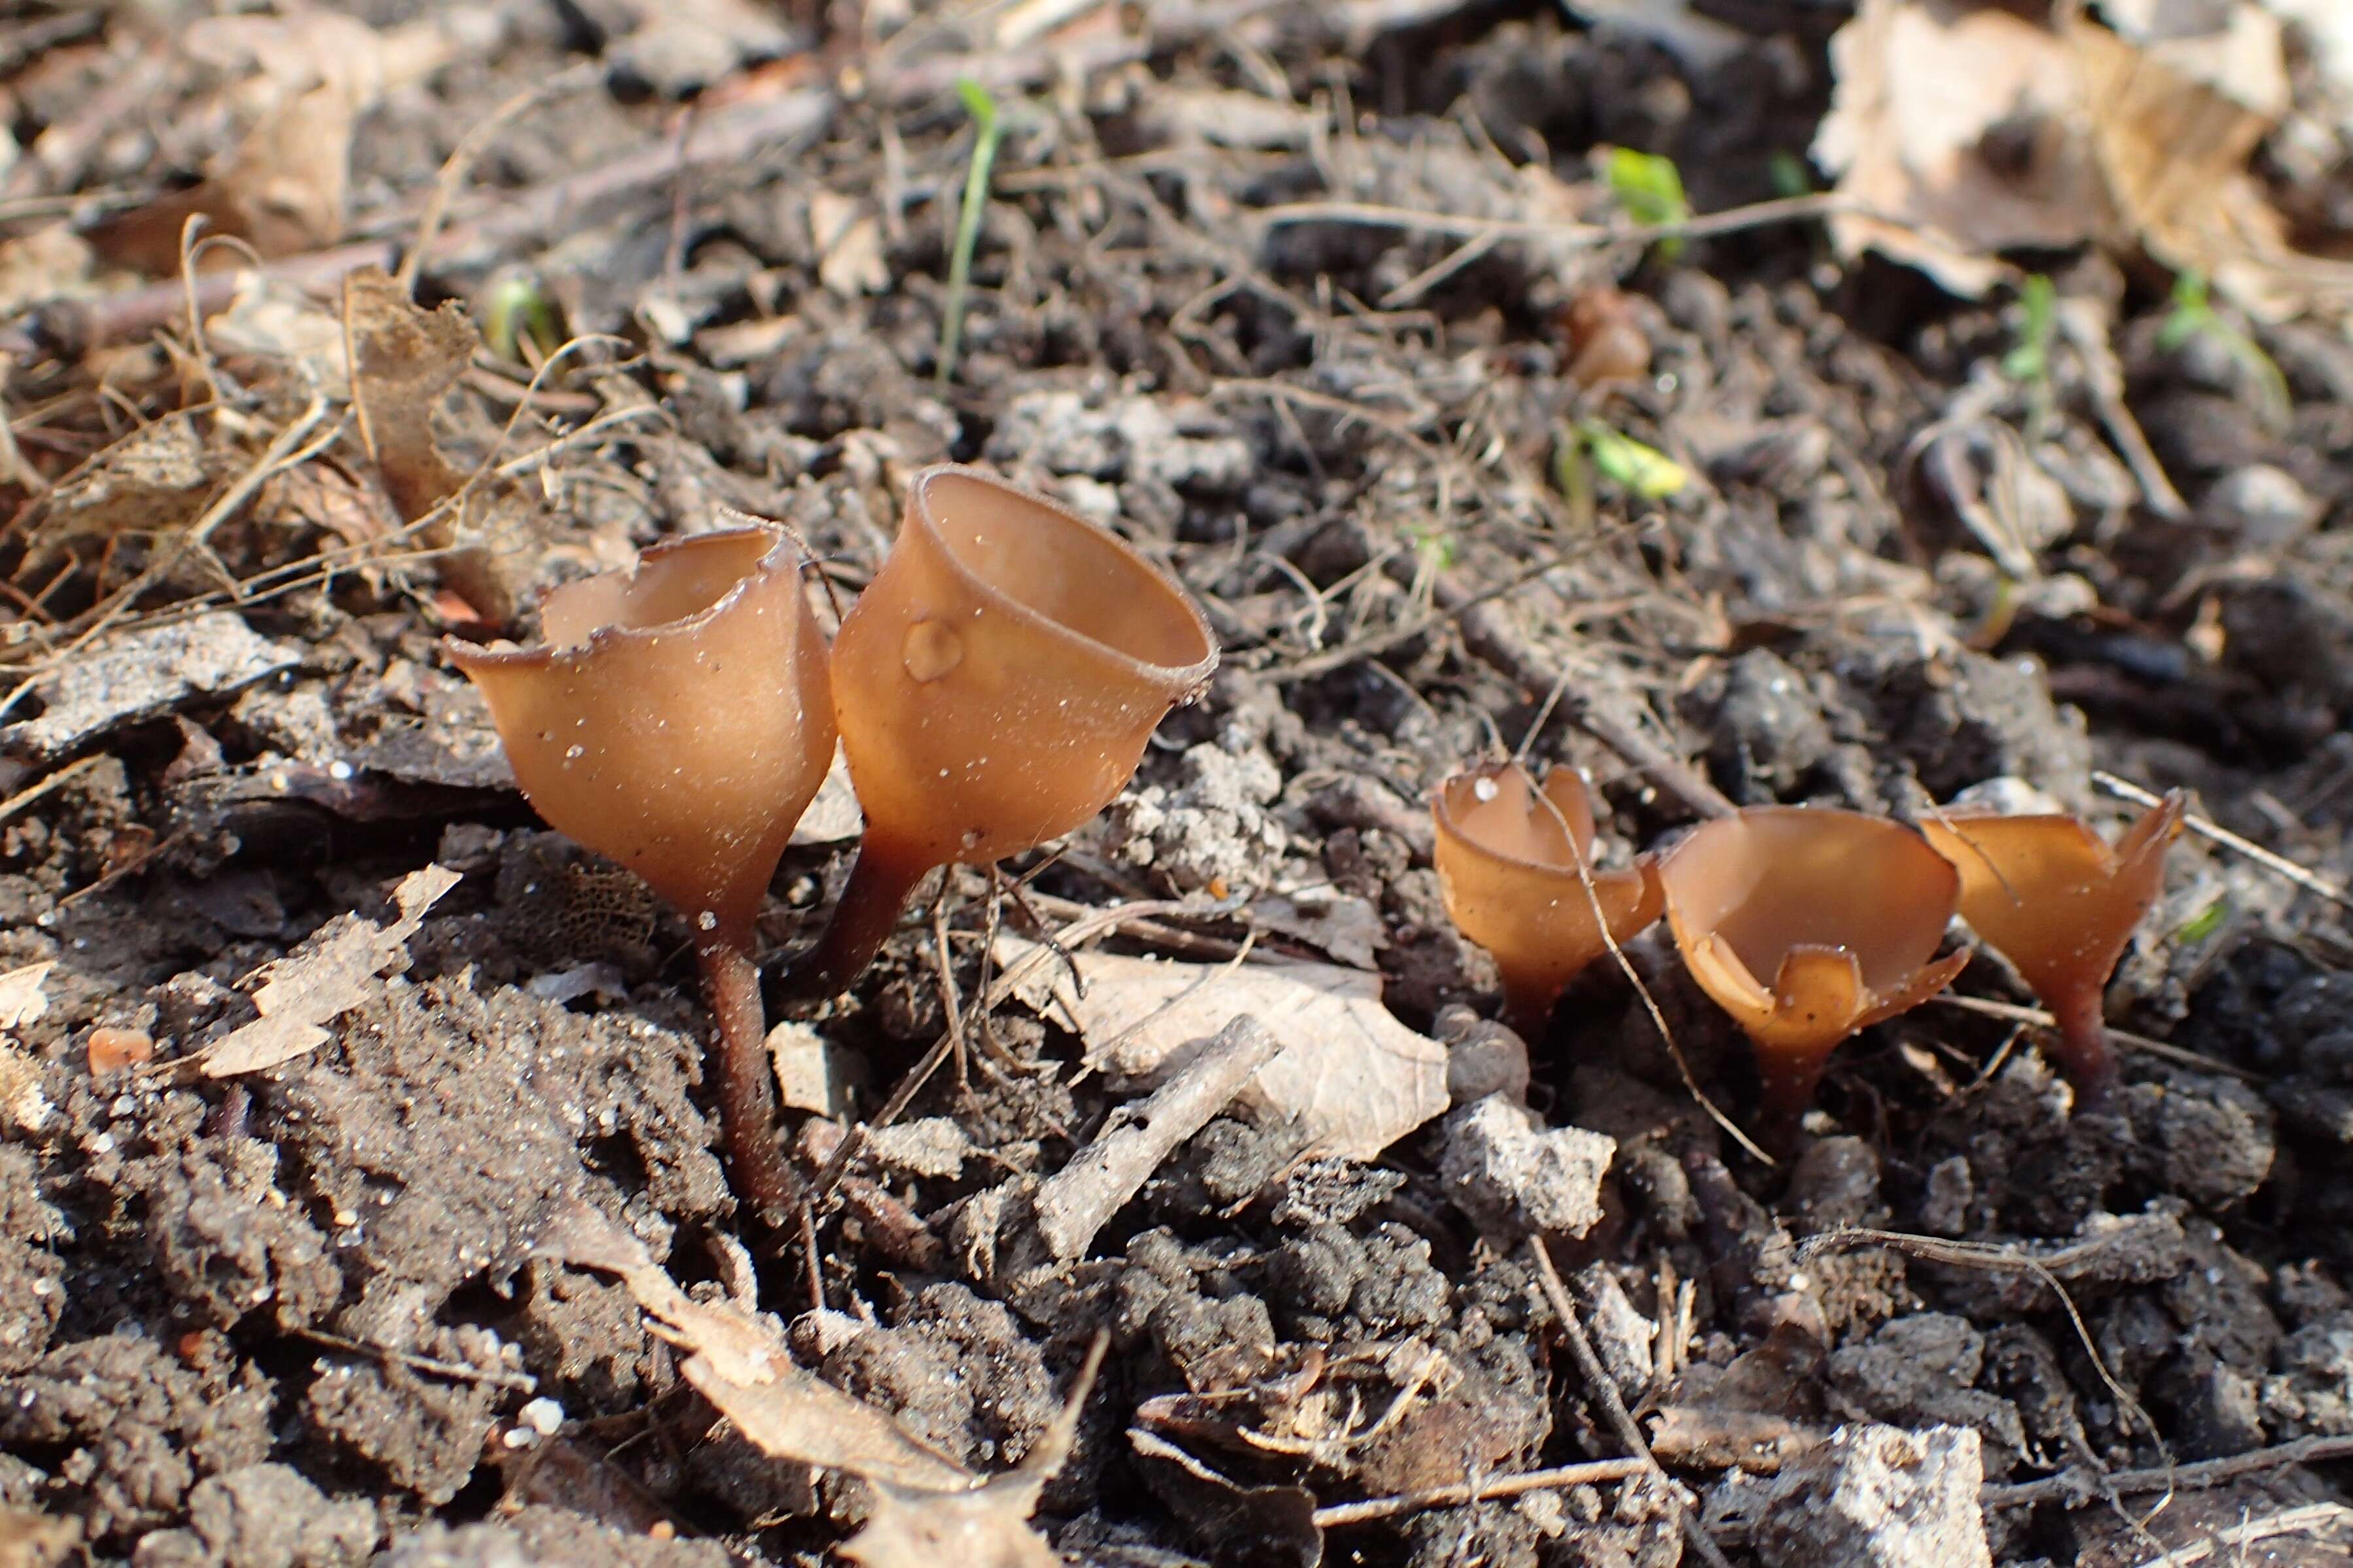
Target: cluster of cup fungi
{"type": "Point", "coordinates": [1805, 925]}
{"type": "Point", "coordinates": [993, 688]}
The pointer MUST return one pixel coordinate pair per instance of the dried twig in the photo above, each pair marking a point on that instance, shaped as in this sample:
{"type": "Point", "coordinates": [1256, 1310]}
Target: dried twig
{"type": "Point", "coordinates": [2077, 1485]}
{"type": "Point", "coordinates": [1490, 636]}
{"type": "Point", "coordinates": [1078, 1200]}
{"type": "Point", "coordinates": [1603, 1389]}
{"type": "Point", "coordinates": [2039, 1019]}
{"type": "Point", "coordinates": [2211, 831]}
{"type": "Point", "coordinates": [1556, 1478]}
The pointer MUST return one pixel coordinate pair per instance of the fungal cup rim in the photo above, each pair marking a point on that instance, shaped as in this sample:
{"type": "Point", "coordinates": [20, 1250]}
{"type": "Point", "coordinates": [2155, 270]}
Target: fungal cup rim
{"type": "Point", "coordinates": [1188, 680]}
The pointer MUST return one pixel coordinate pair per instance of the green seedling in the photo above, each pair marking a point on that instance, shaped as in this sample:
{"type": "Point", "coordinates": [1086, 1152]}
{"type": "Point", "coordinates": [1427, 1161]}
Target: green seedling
{"type": "Point", "coordinates": [2194, 315]}
{"type": "Point", "coordinates": [2028, 358]}
{"type": "Point", "coordinates": [1788, 175]}
{"type": "Point", "coordinates": [1651, 188]}
{"type": "Point", "coordinates": [987, 130]}
{"type": "Point", "coordinates": [2205, 922]}
{"type": "Point", "coordinates": [519, 313]}
{"type": "Point", "coordinates": [2028, 363]}
{"type": "Point", "coordinates": [1639, 470]}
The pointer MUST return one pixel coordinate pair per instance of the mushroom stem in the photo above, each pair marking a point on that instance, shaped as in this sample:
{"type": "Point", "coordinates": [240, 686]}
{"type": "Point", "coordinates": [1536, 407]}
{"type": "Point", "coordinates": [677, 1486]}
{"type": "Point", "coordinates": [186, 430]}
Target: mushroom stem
{"type": "Point", "coordinates": [747, 1094]}
{"type": "Point", "coordinates": [1787, 1081]}
{"type": "Point", "coordinates": [2085, 1054]}
{"type": "Point", "coordinates": [864, 918]}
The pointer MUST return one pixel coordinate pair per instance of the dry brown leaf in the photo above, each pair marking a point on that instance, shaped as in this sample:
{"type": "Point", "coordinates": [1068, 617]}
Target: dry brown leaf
{"type": "Point", "coordinates": [849, 243]}
{"type": "Point", "coordinates": [2173, 151]}
{"type": "Point", "coordinates": [153, 480]}
{"type": "Point", "coordinates": [741, 1364]}
{"type": "Point", "coordinates": [327, 976]}
{"type": "Point", "coordinates": [1967, 130]}
{"type": "Point", "coordinates": [275, 323]}
{"type": "Point", "coordinates": [141, 671]}
{"type": "Point", "coordinates": [404, 359]}
{"type": "Point", "coordinates": [1350, 1075]}
{"type": "Point", "coordinates": [734, 1344]}
{"type": "Point", "coordinates": [21, 1000]}
{"type": "Point", "coordinates": [31, 1539]}
{"type": "Point", "coordinates": [282, 191]}
{"type": "Point", "coordinates": [289, 53]}
{"type": "Point", "coordinates": [986, 1527]}
{"type": "Point", "coordinates": [41, 265]}
{"type": "Point", "coordinates": [1925, 90]}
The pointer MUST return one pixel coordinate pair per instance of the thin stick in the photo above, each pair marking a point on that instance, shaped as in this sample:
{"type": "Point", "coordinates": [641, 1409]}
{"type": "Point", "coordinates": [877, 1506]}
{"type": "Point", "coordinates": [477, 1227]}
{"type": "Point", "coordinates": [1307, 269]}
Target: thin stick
{"type": "Point", "coordinates": [24, 798]}
{"type": "Point", "coordinates": [2208, 829]}
{"type": "Point", "coordinates": [2035, 1017]}
{"type": "Point", "coordinates": [2075, 1485]}
{"type": "Point", "coordinates": [471, 147]}
{"type": "Point", "coordinates": [1782, 209]}
{"type": "Point", "coordinates": [1591, 1473]}
{"type": "Point", "coordinates": [1604, 1390]}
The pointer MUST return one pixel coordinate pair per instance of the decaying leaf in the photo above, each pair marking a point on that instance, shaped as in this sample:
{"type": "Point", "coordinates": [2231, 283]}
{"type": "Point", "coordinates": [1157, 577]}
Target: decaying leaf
{"type": "Point", "coordinates": [31, 1539]}
{"type": "Point", "coordinates": [21, 998]}
{"type": "Point", "coordinates": [2173, 153]}
{"type": "Point", "coordinates": [1964, 129]}
{"type": "Point", "coordinates": [282, 191]}
{"type": "Point", "coordinates": [21, 1002]}
{"type": "Point", "coordinates": [849, 241]}
{"type": "Point", "coordinates": [279, 325]}
{"type": "Point", "coordinates": [153, 480]}
{"type": "Point", "coordinates": [42, 264]}
{"type": "Point", "coordinates": [1951, 119]}
{"type": "Point", "coordinates": [310, 46]}
{"type": "Point", "coordinates": [404, 360]}
{"type": "Point", "coordinates": [741, 1364]}
{"type": "Point", "coordinates": [927, 1510]}
{"type": "Point", "coordinates": [986, 1527]}
{"type": "Point", "coordinates": [325, 977]}
{"type": "Point", "coordinates": [1354, 1079]}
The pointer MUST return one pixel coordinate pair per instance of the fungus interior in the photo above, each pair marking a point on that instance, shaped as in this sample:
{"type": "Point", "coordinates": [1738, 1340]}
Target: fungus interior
{"type": "Point", "coordinates": [996, 684]}
{"type": "Point", "coordinates": [1807, 924]}
{"type": "Point", "coordinates": [2055, 899]}
{"type": "Point", "coordinates": [1508, 854]}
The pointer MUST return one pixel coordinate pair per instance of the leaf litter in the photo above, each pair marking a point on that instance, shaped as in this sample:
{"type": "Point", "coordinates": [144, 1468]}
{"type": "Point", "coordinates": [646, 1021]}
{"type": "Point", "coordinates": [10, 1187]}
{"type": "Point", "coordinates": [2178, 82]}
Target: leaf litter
{"type": "Point", "coordinates": [1349, 1075]}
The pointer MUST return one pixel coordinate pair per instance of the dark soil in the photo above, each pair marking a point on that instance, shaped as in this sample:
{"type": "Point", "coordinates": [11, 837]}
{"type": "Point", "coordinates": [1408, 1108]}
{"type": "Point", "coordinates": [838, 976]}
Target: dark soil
{"type": "Point", "coordinates": [296, 1320]}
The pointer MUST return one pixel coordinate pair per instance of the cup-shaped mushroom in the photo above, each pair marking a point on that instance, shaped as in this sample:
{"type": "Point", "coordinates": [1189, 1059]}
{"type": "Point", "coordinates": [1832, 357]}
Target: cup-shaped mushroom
{"type": "Point", "coordinates": [1807, 925]}
{"type": "Point", "coordinates": [676, 718]}
{"type": "Point", "coordinates": [2060, 902]}
{"type": "Point", "coordinates": [1509, 854]}
{"type": "Point", "coordinates": [996, 684]}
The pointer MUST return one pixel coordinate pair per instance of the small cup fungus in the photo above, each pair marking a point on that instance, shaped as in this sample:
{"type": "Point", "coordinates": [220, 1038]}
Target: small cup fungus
{"type": "Point", "coordinates": [1509, 858]}
{"type": "Point", "coordinates": [996, 684]}
{"type": "Point", "coordinates": [2060, 902]}
{"type": "Point", "coordinates": [677, 720]}
{"type": "Point", "coordinates": [1807, 925]}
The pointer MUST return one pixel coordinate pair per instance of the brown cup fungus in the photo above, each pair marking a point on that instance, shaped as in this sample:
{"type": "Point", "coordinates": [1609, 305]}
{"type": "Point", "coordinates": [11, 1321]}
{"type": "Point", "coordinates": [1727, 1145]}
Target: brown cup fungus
{"type": "Point", "coordinates": [2060, 902]}
{"type": "Point", "coordinates": [1509, 858]}
{"type": "Point", "coordinates": [1807, 925]}
{"type": "Point", "coordinates": [996, 684]}
{"type": "Point", "coordinates": [677, 720]}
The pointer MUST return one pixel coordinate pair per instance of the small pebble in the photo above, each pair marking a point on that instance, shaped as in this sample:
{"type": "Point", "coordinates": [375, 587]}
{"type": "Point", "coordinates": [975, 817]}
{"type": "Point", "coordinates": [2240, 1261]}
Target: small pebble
{"type": "Point", "coordinates": [542, 1415]}
{"type": "Point", "coordinates": [111, 1049]}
